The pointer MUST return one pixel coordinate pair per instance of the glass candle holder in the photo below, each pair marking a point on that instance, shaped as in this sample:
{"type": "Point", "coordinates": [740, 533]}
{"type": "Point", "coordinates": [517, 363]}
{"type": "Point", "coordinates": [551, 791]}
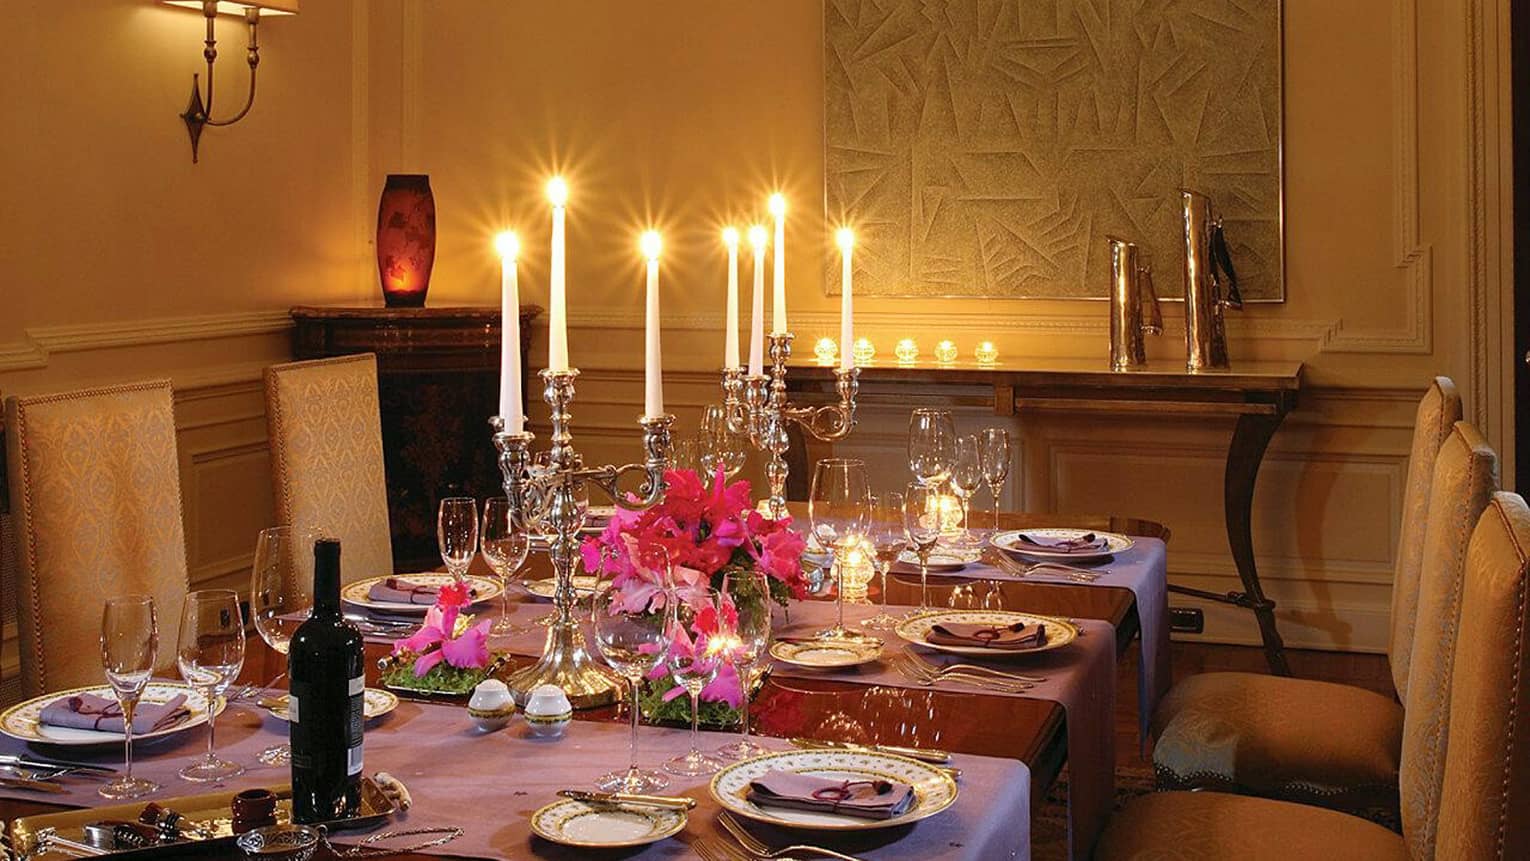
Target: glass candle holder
{"type": "Point", "coordinates": [857, 572]}
{"type": "Point", "coordinates": [826, 351]}
{"type": "Point", "coordinates": [906, 351]}
{"type": "Point", "coordinates": [945, 352]}
{"type": "Point", "coordinates": [986, 353]}
{"type": "Point", "coordinates": [863, 351]}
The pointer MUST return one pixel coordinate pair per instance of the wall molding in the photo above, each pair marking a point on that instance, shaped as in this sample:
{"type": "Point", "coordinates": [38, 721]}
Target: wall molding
{"type": "Point", "coordinates": [41, 342]}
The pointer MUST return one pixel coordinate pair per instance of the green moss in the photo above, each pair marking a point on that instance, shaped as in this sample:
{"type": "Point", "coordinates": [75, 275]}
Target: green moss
{"type": "Point", "coordinates": [443, 678]}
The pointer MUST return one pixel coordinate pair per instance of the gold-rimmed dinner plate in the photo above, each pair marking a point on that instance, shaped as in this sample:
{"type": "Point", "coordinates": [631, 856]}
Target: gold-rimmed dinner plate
{"type": "Point", "coordinates": [484, 590]}
{"type": "Point", "coordinates": [595, 826]}
{"type": "Point", "coordinates": [941, 559]}
{"type": "Point", "coordinates": [826, 654]}
{"type": "Point", "coordinates": [374, 704]}
{"type": "Point", "coordinates": [916, 629]}
{"type": "Point", "coordinates": [1010, 543]}
{"type": "Point", "coordinates": [24, 720]}
{"type": "Point", "coordinates": [584, 586]}
{"type": "Point", "coordinates": [934, 788]}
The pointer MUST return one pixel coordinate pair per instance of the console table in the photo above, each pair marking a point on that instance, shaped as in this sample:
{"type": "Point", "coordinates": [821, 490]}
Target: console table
{"type": "Point", "coordinates": [1257, 394]}
{"type": "Point", "coordinates": [437, 384]}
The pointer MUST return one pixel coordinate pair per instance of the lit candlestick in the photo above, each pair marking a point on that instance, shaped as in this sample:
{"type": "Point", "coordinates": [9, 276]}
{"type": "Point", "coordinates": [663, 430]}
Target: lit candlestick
{"type": "Point", "coordinates": [778, 256]}
{"type": "Point", "coordinates": [757, 318]}
{"type": "Point", "coordinates": [730, 348]}
{"type": "Point", "coordinates": [653, 367]}
{"type": "Point", "coordinates": [846, 239]}
{"type": "Point", "coordinates": [509, 246]}
{"type": "Point", "coordinates": [557, 312]}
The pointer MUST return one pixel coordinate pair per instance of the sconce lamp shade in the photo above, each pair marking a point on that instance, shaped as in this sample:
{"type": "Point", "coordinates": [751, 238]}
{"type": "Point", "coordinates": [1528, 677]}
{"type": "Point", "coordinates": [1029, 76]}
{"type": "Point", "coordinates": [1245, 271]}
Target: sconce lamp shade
{"type": "Point", "coordinates": [237, 7]}
{"type": "Point", "coordinates": [406, 239]}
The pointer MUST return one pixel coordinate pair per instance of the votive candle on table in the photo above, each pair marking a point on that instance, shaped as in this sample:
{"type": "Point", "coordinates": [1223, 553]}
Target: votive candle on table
{"type": "Point", "coordinates": [653, 365]}
{"type": "Point", "coordinates": [757, 316]}
{"type": "Point", "coordinates": [509, 246]}
{"type": "Point", "coordinates": [846, 239]}
{"type": "Point", "coordinates": [730, 345]}
{"type": "Point", "coordinates": [557, 310]}
{"type": "Point", "coordinates": [778, 256]}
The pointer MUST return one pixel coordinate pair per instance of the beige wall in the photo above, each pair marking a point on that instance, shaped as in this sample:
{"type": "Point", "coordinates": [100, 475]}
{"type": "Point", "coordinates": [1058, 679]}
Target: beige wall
{"type": "Point", "coordinates": [682, 114]}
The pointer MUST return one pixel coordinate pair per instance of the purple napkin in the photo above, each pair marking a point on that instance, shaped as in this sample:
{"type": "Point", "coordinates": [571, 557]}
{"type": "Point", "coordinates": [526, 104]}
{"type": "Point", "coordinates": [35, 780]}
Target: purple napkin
{"type": "Point", "coordinates": [1016, 636]}
{"type": "Point", "coordinates": [88, 711]}
{"type": "Point", "coordinates": [397, 590]}
{"type": "Point", "coordinates": [1086, 543]}
{"type": "Point", "coordinates": [863, 799]}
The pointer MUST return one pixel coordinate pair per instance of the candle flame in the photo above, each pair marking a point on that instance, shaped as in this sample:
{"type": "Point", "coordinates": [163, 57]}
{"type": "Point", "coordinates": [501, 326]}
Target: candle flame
{"type": "Point", "coordinates": [845, 237]}
{"type": "Point", "coordinates": [557, 191]}
{"type": "Point", "coordinates": [651, 244]}
{"type": "Point", "coordinates": [778, 205]}
{"type": "Point", "coordinates": [758, 237]}
{"type": "Point", "coordinates": [508, 245]}
{"type": "Point", "coordinates": [730, 238]}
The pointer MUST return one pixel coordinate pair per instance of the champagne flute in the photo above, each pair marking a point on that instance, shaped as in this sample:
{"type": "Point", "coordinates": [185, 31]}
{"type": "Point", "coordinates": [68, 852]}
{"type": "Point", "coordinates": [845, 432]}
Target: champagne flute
{"type": "Point", "coordinates": [921, 525]}
{"type": "Point", "coordinates": [752, 633]}
{"type": "Point", "coordinates": [281, 598]}
{"type": "Point", "coordinates": [632, 639]}
{"type": "Point", "coordinates": [996, 457]}
{"type": "Point", "coordinates": [839, 509]}
{"type": "Point", "coordinates": [720, 447]}
{"type": "Point", "coordinates": [888, 541]}
{"type": "Point", "coordinates": [210, 655]}
{"type": "Point", "coordinates": [457, 533]}
{"type": "Point", "coordinates": [504, 545]}
{"type": "Point", "coordinates": [129, 646]}
{"type": "Point", "coordinates": [966, 478]}
{"type": "Point", "coordinates": [931, 445]}
{"type": "Point", "coordinates": [695, 655]}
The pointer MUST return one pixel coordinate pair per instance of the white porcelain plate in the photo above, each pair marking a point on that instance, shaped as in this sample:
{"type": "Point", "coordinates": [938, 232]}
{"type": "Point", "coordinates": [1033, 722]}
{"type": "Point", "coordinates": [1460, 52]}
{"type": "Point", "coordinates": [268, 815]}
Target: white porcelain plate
{"type": "Point", "coordinates": [374, 704]}
{"type": "Point", "coordinates": [356, 593]}
{"type": "Point", "coordinates": [826, 654]}
{"type": "Point", "coordinates": [1010, 542]}
{"type": "Point", "coordinates": [584, 586]}
{"type": "Point", "coordinates": [1060, 632]}
{"type": "Point", "coordinates": [934, 789]}
{"type": "Point", "coordinates": [941, 559]}
{"type": "Point", "coordinates": [575, 823]}
{"type": "Point", "coordinates": [22, 721]}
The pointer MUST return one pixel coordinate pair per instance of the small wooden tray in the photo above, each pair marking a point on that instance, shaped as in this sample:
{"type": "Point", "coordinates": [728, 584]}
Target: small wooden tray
{"type": "Point", "coordinates": [212, 811]}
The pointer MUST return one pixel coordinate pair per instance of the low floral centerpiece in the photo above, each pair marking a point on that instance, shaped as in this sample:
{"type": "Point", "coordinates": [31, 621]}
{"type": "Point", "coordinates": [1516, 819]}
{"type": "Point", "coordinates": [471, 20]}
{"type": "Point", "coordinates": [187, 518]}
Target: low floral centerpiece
{"type": "Point", "coordinates": [449, 654]}
{"type": "Point", "coordinates": [698, 536]}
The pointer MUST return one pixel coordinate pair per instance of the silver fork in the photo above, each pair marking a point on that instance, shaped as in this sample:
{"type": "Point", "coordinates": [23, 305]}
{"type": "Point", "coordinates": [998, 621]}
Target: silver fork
{"type": "Point", "coordinates": [920, 674]}
{"type": "Point", "coordinates": [754, 846]}
{"type": "Point", "coordinates": [1050, 569]}
{"type": "Point", "coordinates": [975, 668]}
{"type": "Point", "coordinates": [716, 850]}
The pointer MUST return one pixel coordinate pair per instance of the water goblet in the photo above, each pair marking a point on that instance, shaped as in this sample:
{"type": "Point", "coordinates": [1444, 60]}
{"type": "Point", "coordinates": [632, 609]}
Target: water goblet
{"type": "Point", "coordinates": [720, 447]}
{"type": "Point", "coordinates": [931, 445]}
{"type": "Point", "coordinates": [699, 639]}
{"type": "Point", "coordinates": [888, 541]}
{"type": "Point", "coordinates": [839, 509]}
{"type": "Point", "coordinates": [966, 478]}
{"type": "Point", "coordinates": [921, 527]}
{"type": "Point", "coordinates": [996, 455]}
{"type": "Point", "coordinates": [281, 598]}
{"type": "Point", "coordinates": [504, 544]}
{"type": "Point", "coordinates": [210, 654]}
{"type": "Point", "coordinates": [129, 647]}
{"type": "Point", "coordinates": [633, 638]}
{"type": "Point", "coordinates": [749, 595]}
{"type": "Point", "coordinates": [457, 533]}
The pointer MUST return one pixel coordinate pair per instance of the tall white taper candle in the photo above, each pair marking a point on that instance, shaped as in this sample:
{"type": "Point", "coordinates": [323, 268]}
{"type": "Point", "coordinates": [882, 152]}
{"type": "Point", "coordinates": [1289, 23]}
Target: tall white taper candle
{"type": "Point", "coordinates": [653, 364]}
{"type": "Point", "coordinates": [730, 343]}
{"type": "Point", "coordinates": [557, 312]}
{"type": "Point", "coordinates": [757, 315]}
{"type": "Point", "coordinates": [846, 239]}
{"type": "Point", "coordinates": [509, 245]}
{"type": "Point", "coordinates": [778, 255]}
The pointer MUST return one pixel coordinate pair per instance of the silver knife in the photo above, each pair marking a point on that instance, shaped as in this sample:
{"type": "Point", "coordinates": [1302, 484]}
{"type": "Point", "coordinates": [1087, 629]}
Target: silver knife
{"type": "Point", "coordinates": [923, 754]}
{"type": "Point", "coordinates": [28, 762]}
{"type": "Point", "coordinates": [666, 802]}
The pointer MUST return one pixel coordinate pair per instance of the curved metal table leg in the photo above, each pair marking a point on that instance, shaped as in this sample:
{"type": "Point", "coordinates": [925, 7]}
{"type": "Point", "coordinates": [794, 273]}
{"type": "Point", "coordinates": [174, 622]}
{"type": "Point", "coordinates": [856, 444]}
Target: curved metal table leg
{"type": "Point", "coordinates": [1250, 438]}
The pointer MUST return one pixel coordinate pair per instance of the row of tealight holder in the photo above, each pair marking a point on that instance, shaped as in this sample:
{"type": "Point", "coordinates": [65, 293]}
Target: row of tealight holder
{"type": "Point", "coordinates": [826, 352]}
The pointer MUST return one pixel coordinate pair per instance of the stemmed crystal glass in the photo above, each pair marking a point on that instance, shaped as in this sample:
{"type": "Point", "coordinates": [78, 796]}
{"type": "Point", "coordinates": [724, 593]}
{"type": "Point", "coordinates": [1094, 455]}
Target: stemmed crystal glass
{"type": "Point", "coordinates": [839, 509]}
{"type": "Point", "coordinates": [921, 525]}
{"type": "Point", "coordinates": [888, 541]}
{"type": "Point", "coordinates": [931, 445]}
{"type": "Point", "coordinates": [699, 640]}
{"type": "Point", "coordinates": [210, 655]}
{"type": "Point", "coordinates": [129, 646]}
{"type": "Point", "coordinates": [966, 478]}
{"type": "Point", "coordinates": [281, 599]}
{"type": "Point", "coordinates": [457, 533]}
{"type": "Point", "coordinates": [720, 447]}
{"type": "Point", "coordinates": [633, 641]}
{"type": "Point", "coordinates": [996, 454]}
{"type": "Point", "coordinates": [504, 545]}
{"type": "Point", "coordinates": [752, 633]}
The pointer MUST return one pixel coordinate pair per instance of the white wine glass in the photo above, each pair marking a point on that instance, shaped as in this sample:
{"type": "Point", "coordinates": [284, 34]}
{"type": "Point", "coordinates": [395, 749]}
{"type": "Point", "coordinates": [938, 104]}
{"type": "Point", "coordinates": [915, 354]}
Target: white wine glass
{"type": "Point", "coordinates": [210, 655]}
{"type": "Point", "coordinates": [921, 528]}
{"type": "Point", "coordinates": [888, 541]}
{"type": "Point", "coordinates": [281, 599]}
{"type": "Point", "coordinates": [720, 446]}
{"type": "Point", "coordinates": [129, 648]}
{"type": "Point", "coordinates": [966, 480]}
{"type": "Point", "coordinates": [996, 458]}
{"type": "Point", "coordinates": [632, 640]}
{"type": "Point", "coordinates": [504, 544]}
{"type": "Point", "coordinates": [695, 655]}
{"type": "Point", "coordinates": [749, 593]}
{"type": "Point", "coordinates": [839, 509]}
{"type": "Point", "coordinates": [457, 533]}
{"type": "Point", "coordinates": [931, 445]}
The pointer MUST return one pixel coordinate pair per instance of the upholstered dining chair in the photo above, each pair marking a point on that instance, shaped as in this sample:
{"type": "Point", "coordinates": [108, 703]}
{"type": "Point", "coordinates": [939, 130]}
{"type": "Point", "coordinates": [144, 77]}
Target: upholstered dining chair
{"type": "Point", "coordinates": [1484, 772]}
{"type": "Point", "coordinates": [327, 474]}
{"type": "Point", "coordinates": [1328, 744]}
{"type": "Point", "coordinates": [95, 490]}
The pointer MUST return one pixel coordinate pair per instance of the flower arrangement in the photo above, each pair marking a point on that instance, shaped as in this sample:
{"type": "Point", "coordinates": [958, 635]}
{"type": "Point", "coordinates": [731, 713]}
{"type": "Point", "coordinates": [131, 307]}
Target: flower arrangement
{"type": "Point", "coordinates": [449, 653]}
{"type": "Point", "coordinates": [698, 537]}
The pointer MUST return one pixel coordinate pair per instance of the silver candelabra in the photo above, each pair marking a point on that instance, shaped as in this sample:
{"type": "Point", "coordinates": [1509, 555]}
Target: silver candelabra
{"type": "Point", "coordinates": [553, 491]}
{"type": "Point", "coordinates": [756, 405]}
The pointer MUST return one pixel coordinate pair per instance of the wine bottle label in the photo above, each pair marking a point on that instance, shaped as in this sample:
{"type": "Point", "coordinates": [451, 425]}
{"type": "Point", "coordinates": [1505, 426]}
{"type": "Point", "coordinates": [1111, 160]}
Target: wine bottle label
{"type": "Point", "coordinates": [292, 707]}
{"type": "Point", "coordinates": [353, 735]}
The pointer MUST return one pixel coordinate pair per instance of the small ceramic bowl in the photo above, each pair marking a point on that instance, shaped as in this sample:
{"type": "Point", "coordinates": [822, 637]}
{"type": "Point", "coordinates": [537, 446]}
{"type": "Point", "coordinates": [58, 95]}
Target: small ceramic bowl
{"type": "Point", "coordinates": [548, 711]}
{"type": "Point", "coordinates": [491, 705]}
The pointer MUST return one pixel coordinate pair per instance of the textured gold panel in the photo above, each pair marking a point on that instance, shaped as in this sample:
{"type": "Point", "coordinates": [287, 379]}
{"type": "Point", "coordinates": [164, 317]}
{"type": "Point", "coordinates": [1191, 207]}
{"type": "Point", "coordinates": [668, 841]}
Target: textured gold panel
{"type": "Point", "coordinates": [987, 147]}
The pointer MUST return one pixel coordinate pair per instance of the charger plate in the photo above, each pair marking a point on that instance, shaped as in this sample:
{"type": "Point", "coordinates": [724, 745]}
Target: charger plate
{"type": "Point", "coordinates": [485, 588]}
{"type": "Point", "coordinates": [826, 654]}
{"type": "Point", "coordinates": [374, 704]}
{"type": "Point", "coordinates": [23, 720]}
{"type": "Point", "coordinates": [934, 788]}
{"type": "Point", "coordinates": [584, 585]}
{"type": "Point", "coordinates": [576, 823]}
{"type": "Point", "coordinates": [1060, 632]}
{"type": "Point", "coordinates": [1010, 542]}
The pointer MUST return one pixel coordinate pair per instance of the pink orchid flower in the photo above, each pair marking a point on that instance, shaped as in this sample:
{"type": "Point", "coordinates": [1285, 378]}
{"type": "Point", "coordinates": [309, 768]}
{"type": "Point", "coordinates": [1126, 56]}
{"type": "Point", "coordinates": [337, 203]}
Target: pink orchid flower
{"type": "Point", "coordinates": [434, 642]}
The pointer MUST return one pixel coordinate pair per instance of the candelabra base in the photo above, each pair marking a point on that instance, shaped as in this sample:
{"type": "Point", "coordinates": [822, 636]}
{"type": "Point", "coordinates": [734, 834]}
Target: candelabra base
{"type": "Point", "coordinates": [566, 662]}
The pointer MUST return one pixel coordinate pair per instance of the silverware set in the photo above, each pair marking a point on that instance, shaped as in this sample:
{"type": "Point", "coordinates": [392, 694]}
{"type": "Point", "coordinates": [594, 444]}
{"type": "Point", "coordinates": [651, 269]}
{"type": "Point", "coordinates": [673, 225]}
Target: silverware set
{"type": "Point", "coordinates": [382, 627]}
{"type": "Point", "coordinates": [974, 675]}
{"type": "Point", "coordinates": [1059, 570]}
{"type": "Point", "coordinates": [40, 775]}
{"type": "Point", "coordinates": [751, 848]}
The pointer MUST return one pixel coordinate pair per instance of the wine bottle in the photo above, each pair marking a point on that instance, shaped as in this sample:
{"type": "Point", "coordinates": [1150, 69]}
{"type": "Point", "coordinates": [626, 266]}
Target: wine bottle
{"type": "Point", "coordinates": [326, 673]}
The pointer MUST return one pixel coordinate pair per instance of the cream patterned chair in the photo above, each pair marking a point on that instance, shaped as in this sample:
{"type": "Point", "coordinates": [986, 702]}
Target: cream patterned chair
{"type": "Point", "coordinates": [95, 490]}
{"type": "Point", "coordinates": [327, 458]}
{"type": "Point", "coordinates": [1485, 772]}
{"type": "Point", "coordinates": [1321, 743]}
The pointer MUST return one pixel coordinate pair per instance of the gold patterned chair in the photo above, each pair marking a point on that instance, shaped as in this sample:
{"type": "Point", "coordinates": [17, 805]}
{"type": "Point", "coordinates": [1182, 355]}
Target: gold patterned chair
{"type": "Point", "coordinates": [95, 490]}
{"type": "Point", "coordinates": [327, 458]}
{"type": "Point", "coordinates": [1328, 744]}
{"type": "Point", "coordinates": [1485, 770]}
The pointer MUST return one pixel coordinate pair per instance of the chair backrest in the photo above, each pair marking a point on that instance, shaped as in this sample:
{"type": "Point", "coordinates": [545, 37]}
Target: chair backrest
{"type": "Point", "coordinates": [327, 457]}
{"type": "Point", "coordinates": [96, 492]}
{"type": "Point", "coordinates": [1465, 478]}
{"type": "Point", "coordinates": [1437, 413]}
{"type": "Point", "coordinates": [1485, 812]}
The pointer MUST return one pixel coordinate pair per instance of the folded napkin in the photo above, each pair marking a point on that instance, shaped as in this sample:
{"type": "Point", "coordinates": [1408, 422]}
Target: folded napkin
{"type": "Point", "coordinates": [88, 711]}
{"type": "Point", "coordinates": [1086, 543]}
{"type": "Point", "coordinates": [863, 799]}
{"type": "Point", "coordinates": [397, 590]}
{"type": "Point", "coordinates": [1016, 636]}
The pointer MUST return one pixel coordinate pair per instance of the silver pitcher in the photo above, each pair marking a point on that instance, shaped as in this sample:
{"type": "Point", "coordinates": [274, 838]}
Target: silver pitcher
{"type": "Point", "coordinates": [1133, 305]}
{"type": "Point", "coordinates": [1211, 285]}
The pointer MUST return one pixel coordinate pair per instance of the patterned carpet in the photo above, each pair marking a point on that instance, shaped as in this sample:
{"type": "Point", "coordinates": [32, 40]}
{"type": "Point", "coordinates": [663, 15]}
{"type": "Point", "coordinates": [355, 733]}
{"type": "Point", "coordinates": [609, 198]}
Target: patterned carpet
{"type": "Point", "coordinates": [1049, 824]}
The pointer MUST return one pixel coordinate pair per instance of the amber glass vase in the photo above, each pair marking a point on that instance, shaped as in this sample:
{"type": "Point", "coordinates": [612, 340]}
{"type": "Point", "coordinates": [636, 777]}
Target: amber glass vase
{"type": "Point", "coordinates": [406, 239]}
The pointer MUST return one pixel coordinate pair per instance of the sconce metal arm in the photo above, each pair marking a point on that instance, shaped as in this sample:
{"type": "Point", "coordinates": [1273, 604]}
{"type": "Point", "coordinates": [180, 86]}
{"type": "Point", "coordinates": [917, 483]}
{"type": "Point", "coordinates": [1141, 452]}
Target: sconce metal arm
{"type": "Point", "coordinates": [198, 113]}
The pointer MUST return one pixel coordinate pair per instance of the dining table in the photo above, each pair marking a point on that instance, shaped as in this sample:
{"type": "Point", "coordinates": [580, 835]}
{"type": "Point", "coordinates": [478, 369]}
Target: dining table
{"type": "Point", "coordinates": [968, 722]}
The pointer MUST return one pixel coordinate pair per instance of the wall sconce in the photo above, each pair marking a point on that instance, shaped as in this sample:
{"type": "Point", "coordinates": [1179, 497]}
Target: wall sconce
{"type": "Point", "coordinates": [199, 111]}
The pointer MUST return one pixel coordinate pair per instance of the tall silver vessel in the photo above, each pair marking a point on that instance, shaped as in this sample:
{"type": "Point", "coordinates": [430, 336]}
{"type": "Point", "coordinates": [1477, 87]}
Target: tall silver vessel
{"type": "Point", "coordinates": [1133, 305]}
{"type": "Point", "coordinates": [1211, 285]}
